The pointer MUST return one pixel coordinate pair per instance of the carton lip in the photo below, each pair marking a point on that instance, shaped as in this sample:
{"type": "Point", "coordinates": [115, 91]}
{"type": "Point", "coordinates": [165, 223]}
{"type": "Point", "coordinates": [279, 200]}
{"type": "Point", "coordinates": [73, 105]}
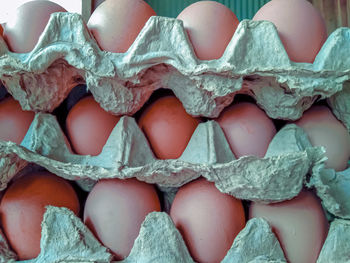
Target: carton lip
{"type": "Point", "coordinates": [123, 74]}
{"type": "Point", "coordinates": [324, 69]}
{"type": "Point", "coordinates": [276, 177]}
{"type": "Point", "coordinates": [158, 228]}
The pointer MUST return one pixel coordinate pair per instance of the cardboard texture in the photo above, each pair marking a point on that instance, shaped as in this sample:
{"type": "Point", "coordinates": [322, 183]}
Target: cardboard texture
{"type": "Point", "coordinates": [159, 241]}
{"type": "Point", "coordinates": [276, 177]}
{"type": "Point", "coordinates": [162, 57]}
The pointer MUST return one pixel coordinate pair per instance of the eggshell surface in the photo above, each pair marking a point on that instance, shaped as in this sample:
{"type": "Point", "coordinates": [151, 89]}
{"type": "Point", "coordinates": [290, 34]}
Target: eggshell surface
{"type": "Point", "coordinates": [247, 128]}
{"type": "Point", "coordinates": [323, 129]}
{"type": "Point", "coordinates": [89, 126]}
{"type": "Point", "coordinates": [210, 26]}
{"type": "Point", "coordinates": [115, 24]}
{"type": "Point", "coordinates": [23, 206]}
{"type": "Point", "coordinates": [299, 224]}
{"type": "Point", "coordinates": [207, 219]}
{"type": "Point", "coordinates": [300, 26]}
{"type": "Point", "coordinates": [168, 127]}
{"type": "Point", "coordinates": [22, 32]}
{"type": "Point", "coordinates": [14, 122]}
{"type": "Point", "coordinates": [115, 210]}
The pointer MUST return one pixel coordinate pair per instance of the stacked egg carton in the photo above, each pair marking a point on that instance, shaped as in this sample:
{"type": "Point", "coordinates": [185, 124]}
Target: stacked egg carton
{"type": "Point", "coordinates": [162, 57]}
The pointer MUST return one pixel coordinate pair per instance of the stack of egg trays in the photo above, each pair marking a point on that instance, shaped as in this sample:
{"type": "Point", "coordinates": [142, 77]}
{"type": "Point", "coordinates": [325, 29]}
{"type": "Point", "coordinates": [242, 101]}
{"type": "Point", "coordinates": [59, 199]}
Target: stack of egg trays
{"type": "Point", "coordinates": [254, 63]}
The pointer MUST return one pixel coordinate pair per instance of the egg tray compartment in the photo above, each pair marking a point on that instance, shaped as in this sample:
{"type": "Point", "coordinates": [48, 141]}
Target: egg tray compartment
{"type": "Point", "coordinates": [162, 57]}
{"type": "Point", "coordinates": [276, 177]}
{"type": "Point", "coordinates": [15, 157]}
{"type": "Point", "coordinates": [159, 241]}
{"type": "Point", "coordinates": [66, 239]}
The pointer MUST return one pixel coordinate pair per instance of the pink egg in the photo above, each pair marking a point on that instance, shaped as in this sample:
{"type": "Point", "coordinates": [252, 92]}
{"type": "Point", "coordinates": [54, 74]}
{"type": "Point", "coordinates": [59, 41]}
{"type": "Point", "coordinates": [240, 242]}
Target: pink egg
{"type": "Point", "coordinates": [115, 24]}
{"type": "Point", "coordinates": [89, 126]}
{"type": "Point", "coordinates": [115, 210]}
{"type": "Point", "coordinates": [299, 224]}
{"type": "Point", "coordinates": [300, 26]}
{"type": "Point", "coordinates": [210, 27]}
{"type": "Point", "coordinates": [207, 219]}
{"type": "Point", "coordinates": [323, 129]}
{"type": "Point", "coordinates": [247, 128]}
{"type": "Point", "coordinates": [22, 32]}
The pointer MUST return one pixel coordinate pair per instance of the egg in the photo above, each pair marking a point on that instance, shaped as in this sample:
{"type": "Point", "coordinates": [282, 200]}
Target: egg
{"type": "Point", "coordinates": [89, 126]}
{"type": "Point", "coordinates": [207, 219]}
{"type": "Point", "coordinates": [115, 24]}
{"type": "Point", "coordinates": [299, 224]}
{"type": "Point", "coordinates": [23, 206]}
{"type": "Point", "coordinates": [22, 32]}
{"type": "Point", "coordinates": [210, 26]}
{"type": "Point", "coordinates": [14, 122]}
{"type": "Point", "coordinates": [300, 26]}
{"type": "Point", "coordinates": [115, 210]}
{"type": "Point", "coordinates": [323, 129]}
{"type": "Point", "coordinates": [168, 127]}
{"type": "Point", "coordinates": [247, 128]}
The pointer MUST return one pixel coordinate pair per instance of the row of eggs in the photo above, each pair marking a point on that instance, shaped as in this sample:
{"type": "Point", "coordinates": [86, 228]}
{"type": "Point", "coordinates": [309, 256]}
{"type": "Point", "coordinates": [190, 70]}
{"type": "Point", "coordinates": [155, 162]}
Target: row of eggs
{"type": "Point", "coordinates": [168, 128]}
{"type": "Point", "coordinates": [116, 208]}
{"type": "Point", "coordinates": [210, 26]}
{"type": "Point", "coordinates": [207, 219]}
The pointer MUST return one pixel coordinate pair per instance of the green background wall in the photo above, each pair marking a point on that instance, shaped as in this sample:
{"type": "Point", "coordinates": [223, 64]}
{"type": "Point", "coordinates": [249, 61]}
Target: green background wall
{"type": "Point", "coordinates": [244, 9]}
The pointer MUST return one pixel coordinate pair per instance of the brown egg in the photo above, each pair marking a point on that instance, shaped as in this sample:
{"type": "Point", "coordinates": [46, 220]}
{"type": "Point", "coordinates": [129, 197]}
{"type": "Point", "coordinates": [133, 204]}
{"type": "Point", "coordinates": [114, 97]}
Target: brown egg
{"type": "Point", "coordinates": [247, 128]}
{"type": "Point", "coordinates": [14, 122]}
{"type": "Point", "coordinates": [168, 127]}
{"type": "Point", "coordinates": [89, 126]}
{"type": "Point", "coordinates": [207, 219]}
{"type": "Point", "coordinates": [115, 24]}
{"type": "Point", "coordinates": [23, 206]}
{"type": "Point", "coordinates": [115, 210]}
{"type": "Point", "coordinates": [323, 129]}
{"type": "Point", "coordinates": [210, 27]}
{"type": "Point", "coordinates": [22, 32]}
{"type": "Point", "coordinates": [300, 26]}
{"type": "Point", "coordinates": [299, 224]}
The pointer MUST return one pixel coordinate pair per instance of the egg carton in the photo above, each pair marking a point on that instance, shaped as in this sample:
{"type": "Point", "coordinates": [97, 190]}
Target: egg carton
{"type": "Point", "coordinates": [207, 154]}
{"type": "Point", "coordinates": [162, 57]}
{"type": "Point", "coordinates": [66, 239]}
{"type": "Point", "coordinates": [276, 177]}
{"type": "Point", "coordinates": [333, 188]}
{"type": "Point", "coordinates": [44, 144]}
